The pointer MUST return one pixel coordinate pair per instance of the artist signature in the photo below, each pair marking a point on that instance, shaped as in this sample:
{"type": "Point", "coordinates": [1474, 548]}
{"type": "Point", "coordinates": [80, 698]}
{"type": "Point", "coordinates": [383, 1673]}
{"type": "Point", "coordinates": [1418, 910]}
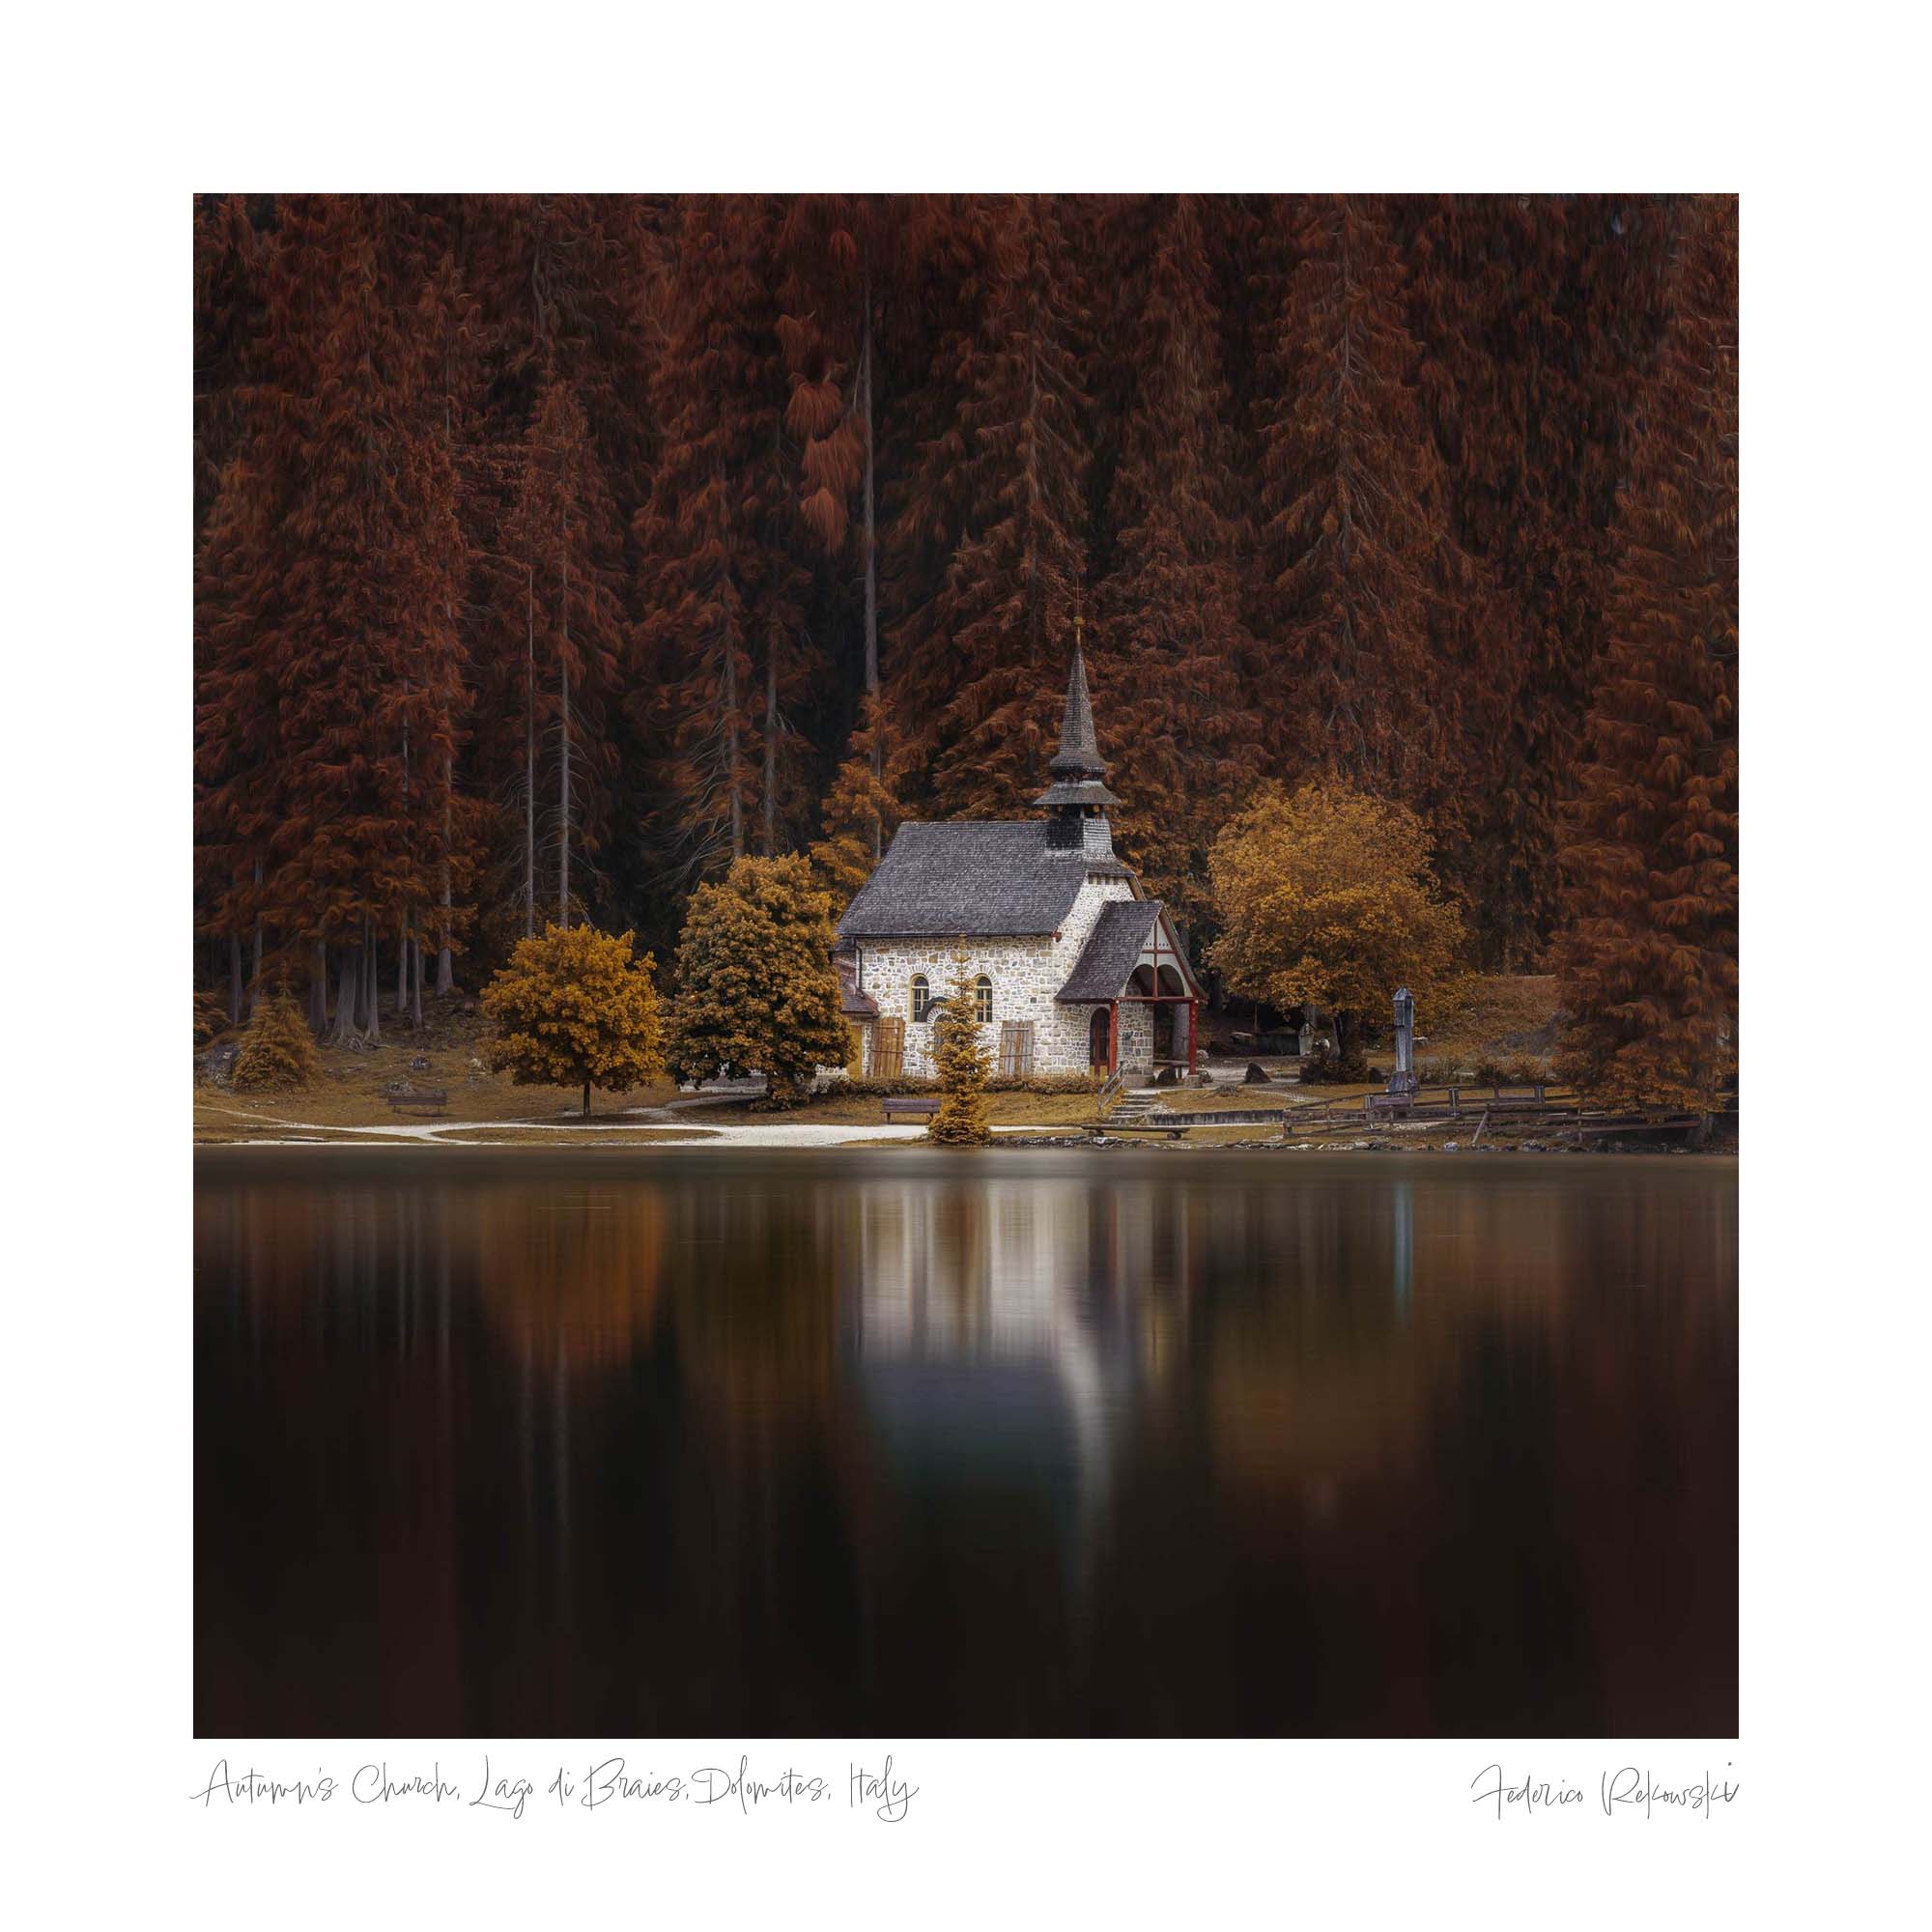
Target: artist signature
{"type": "Point", "coordinates": [1626, 1791]}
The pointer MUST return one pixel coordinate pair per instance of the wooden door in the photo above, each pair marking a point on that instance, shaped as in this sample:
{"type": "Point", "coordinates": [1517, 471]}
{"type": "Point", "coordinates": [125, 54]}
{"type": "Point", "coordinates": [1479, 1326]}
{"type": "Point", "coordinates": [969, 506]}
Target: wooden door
{"type": "Point", "coordinates": [1097, 1041]}
{"type": "Point", "coordinates": [1015, 1049]}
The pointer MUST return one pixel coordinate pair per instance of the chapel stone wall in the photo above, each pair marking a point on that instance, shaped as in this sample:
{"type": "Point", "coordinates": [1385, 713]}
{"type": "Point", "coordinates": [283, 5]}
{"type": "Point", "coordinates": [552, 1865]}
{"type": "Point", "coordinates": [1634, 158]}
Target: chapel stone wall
{"type": "Point", "coordinates": [1026, 972]}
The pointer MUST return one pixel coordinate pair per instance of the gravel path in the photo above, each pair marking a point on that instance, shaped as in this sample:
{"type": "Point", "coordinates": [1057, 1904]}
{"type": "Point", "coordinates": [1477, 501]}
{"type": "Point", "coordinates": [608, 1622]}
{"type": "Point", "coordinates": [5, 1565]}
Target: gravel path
{"type": "Point", "coordinates": [436, 1133]}
{"type": "Point", "coordinates": [642, 1121]}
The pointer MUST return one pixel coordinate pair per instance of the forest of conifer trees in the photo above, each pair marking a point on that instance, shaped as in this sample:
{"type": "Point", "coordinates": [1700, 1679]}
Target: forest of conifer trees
{"type": "Point", "coordinates": [552, 550]}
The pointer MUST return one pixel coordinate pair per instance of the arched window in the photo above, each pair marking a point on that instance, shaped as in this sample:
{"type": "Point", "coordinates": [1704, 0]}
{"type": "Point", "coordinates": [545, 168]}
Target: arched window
{"type": "Point", "coordinates": [922, 996]}
{"type": "Point", "coordinates": [983, 1000]}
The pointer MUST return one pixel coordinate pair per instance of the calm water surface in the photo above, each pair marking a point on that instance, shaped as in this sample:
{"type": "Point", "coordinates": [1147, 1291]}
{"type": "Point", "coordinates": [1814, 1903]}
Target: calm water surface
{"type": "Point", "coordinates": [907, 1444]}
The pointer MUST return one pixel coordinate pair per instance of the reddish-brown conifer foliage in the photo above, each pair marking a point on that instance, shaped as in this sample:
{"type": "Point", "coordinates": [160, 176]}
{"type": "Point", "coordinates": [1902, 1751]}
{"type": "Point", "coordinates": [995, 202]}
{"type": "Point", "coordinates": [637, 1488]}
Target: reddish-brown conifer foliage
{"type": "Point", "coordinates": [553, 550]}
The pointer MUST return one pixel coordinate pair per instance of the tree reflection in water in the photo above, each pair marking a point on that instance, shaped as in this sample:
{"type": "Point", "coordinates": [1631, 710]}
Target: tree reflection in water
{"type": "Point", "coordinates": [924, 1444]}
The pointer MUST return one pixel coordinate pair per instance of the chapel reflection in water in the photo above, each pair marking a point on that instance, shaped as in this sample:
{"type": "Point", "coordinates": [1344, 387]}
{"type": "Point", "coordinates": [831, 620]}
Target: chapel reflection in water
{"type": "Point", "coordinates": [978, 1449]}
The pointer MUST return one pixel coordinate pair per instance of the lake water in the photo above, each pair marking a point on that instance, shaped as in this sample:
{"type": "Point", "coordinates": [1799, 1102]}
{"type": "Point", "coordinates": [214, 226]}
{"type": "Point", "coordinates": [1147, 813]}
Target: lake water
{"type": "Point", "coordinates": [906, 1443]}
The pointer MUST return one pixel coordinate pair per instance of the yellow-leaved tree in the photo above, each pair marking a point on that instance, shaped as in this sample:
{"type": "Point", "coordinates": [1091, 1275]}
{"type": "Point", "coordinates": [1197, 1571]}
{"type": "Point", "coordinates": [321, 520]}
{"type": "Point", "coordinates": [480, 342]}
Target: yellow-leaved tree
{"type": "Point", "coordinates": [961, 1119]}
{"type": "Point", "coordinates": [756, 992]}
{"type": "Point", "coordinates": [575, 1009]}
{"type": "Point", "coordinates": [1326, 899]}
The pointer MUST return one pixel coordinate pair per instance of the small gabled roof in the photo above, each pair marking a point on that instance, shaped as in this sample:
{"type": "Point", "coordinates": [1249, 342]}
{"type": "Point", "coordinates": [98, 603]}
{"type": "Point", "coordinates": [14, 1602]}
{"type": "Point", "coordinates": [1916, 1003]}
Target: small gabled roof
{"type": "Point", "coordinates": [1111, 949]}
{"type": "Point", "coordinates": [1114, 948]}
{"type": "Point", "coordinates": [852, 1003]}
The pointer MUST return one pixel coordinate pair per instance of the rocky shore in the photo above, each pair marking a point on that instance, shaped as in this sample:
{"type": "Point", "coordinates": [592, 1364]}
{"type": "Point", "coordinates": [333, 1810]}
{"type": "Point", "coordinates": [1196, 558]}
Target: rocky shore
{"type": "Point", "coordinates": [1720, 1144]}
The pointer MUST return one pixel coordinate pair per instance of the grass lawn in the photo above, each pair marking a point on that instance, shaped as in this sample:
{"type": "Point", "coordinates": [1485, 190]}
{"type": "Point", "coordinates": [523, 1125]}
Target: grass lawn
{"type": "Point", "coordinates": [350, 1092]}
{"type": "Point", "coordinates": [1495, 1009]}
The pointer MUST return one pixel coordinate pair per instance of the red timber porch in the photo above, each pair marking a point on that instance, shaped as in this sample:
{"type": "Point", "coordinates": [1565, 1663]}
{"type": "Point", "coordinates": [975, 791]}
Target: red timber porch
{"type": "Point", "coordinates": [1134, 960]}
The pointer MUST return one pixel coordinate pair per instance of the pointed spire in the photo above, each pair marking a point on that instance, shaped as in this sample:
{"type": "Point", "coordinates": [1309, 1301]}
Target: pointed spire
{"type": "Point", "coordinates": [1079, 754]}
{"type": "Point", "coordinates": [1077, 769]}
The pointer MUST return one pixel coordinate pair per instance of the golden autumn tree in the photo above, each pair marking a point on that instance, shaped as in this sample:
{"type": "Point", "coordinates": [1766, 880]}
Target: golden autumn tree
{"type": "Point", "coordinates": [756, 992]}
{"type": "Point", "coordinates": [961, 1119]}
{"type": "Point", "coordinates": [1326, 899]}
{"type": "Point", "coordinates": [278, 1054]}
{"type": "Point", "coordinates": [575, 1009]}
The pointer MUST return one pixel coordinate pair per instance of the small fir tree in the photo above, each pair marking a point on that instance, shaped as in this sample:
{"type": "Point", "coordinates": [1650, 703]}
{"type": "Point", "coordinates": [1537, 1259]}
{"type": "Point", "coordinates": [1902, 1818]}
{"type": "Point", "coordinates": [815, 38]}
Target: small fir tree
{"type": "Point", "coordinates": [278, 1054]}
{"type": "Point", "coordinates": [1326, 899]}
{"type": "Point", "coordinates": [860, 811]}
{"type": "Point", "coordinates": [756, 990]}
{"type": "Point", "coordinates": [210, 1019]}
{"type": "Point", "coordinates": [575, 1009]}
{"type": "Point", "coordinates": [961, 1119]}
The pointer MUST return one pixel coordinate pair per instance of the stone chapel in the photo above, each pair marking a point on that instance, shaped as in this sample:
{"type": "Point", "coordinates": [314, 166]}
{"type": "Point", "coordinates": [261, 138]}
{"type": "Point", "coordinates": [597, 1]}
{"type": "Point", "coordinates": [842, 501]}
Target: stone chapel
{"type": "Point", "coordinates": [1072, 967]}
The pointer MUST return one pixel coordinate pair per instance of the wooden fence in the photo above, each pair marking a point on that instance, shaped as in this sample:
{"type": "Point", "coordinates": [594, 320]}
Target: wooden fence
{"type": "Point", "coordinates": [1557, 1111]}
{"type": "Point", "coordinates": [1554, 1112]}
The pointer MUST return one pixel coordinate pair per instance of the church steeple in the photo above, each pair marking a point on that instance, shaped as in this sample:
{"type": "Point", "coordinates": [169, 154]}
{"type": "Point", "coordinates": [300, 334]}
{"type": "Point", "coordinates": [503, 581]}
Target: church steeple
{"type": "Point", "coordinates": [1079, 754]}
{"type": "Point", "coordinates": [1078, 796]}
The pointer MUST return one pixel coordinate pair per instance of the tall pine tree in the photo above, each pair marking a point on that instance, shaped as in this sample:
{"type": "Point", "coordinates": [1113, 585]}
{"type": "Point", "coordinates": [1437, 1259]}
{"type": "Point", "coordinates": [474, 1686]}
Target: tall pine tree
{"type": "Point", "coordinates": [1649, 961]}
{"type": "Point", "coordinates": [1171, 643]}
{"type": "Point", "coordinates": [980, 662]}
{"type": "Point", "coordinates": [1352, 558]}
{"type": "Point", "coordinates": [1537, 319]}
{"type": "Point", "coordinates": [327, 645]}
{"type": "Point", "coordinates": [723, 621]}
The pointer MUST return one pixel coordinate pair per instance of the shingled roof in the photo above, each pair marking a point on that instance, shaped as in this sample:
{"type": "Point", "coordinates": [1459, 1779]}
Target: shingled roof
{"type": "Point", "coordinates": [854, 1003]}
{"type": "Point", "coordinates": [970, 878]}
{"type": "Point", "coordinates": [1112, 948]}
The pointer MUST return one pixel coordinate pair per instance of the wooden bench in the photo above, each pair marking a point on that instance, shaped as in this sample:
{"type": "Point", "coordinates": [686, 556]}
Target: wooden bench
{"type": "Point", "coordinates": [418, 1099]}
{"type": "Point", "coordinates": [922, 1106]}
{"type": "Point", "coordinates": [1173, 1128]}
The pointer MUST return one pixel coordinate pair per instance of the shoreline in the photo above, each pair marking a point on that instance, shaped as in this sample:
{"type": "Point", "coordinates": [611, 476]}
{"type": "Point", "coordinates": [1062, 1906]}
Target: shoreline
{"type": "Point", "coordinates": [555, 1158]}
{"type": "Point", "coordinates": [698, 1128]}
